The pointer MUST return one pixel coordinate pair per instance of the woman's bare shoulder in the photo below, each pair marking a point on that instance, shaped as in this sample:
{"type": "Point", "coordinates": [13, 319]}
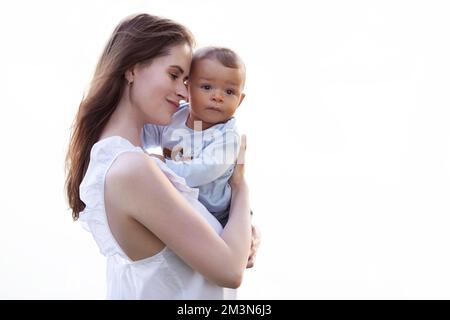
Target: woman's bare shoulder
{"type": "Point", "coordinates": [131, 163]}
{"type": "Point", "coordinates": [133, 170]}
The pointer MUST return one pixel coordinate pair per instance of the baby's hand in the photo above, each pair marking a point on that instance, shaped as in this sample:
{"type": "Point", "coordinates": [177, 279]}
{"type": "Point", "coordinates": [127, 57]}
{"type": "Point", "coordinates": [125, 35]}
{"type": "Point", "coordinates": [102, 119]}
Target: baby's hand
{"type": "Point", "coordinates": [160, 157]}
{"type": "Point", "coordinates": [186, 158]}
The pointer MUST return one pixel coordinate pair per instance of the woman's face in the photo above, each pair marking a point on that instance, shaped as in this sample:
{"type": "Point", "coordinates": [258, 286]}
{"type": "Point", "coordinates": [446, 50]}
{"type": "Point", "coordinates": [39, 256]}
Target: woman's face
{"type": "Point", "coordinates": [159, 86]}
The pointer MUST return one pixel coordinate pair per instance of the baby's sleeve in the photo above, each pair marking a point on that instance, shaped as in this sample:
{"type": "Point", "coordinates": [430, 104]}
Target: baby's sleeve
{"type": "Point", "coordinates": [214, 161]}
{"type": "Point", "coordinates": [152, 136]}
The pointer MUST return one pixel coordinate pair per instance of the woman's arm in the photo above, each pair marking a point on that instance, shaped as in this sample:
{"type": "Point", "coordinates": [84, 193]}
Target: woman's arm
{"type": "Point", "coordinates": [144, 193]}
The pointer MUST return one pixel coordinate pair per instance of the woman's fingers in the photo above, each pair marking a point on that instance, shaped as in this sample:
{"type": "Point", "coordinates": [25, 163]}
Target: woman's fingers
{"type": "Point", "coordinates": [242, 149]}
{"type": "Point", "coordinates": [256, 240]}
{"type": "Point", "coordinates": [257, 236]}
{"type": "Point", "coordinates": [238, 174]}
{"type": "Point", "coordinates": [251, 262]}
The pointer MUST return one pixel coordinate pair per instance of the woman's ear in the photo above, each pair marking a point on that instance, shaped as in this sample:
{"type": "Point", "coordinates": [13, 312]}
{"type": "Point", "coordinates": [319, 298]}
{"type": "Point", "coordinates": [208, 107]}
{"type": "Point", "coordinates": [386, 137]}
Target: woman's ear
{"type": "Point", "coordinates": [129, 75]}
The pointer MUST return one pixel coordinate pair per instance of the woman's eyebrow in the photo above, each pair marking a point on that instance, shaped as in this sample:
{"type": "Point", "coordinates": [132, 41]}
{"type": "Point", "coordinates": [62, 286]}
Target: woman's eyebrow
{"type": "Point", "coordinates": [178, 67]}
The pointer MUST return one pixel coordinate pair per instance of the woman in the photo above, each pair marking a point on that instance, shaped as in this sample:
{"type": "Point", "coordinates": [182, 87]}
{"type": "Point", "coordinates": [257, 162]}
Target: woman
{"type": "Point", "coordinates": [160, 242]}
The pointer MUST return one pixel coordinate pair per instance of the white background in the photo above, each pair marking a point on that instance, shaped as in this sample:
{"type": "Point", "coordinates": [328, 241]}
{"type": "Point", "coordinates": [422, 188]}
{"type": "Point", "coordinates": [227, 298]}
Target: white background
{"type": "Point", "coordinates": [347, 116]}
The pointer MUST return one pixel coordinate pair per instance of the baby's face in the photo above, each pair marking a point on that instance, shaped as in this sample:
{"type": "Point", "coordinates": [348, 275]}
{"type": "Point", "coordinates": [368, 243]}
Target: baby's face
{"type": "Point", "coordinates": [215, 91]}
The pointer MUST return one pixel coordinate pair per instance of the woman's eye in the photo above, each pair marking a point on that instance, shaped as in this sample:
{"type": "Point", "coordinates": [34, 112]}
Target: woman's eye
{"type": "Point", "coordinates": [174, 76]}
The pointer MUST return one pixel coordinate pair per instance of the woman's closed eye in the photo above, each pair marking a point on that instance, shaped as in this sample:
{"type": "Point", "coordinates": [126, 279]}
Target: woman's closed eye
{"type": "Point", "coordinates": [174, 76]}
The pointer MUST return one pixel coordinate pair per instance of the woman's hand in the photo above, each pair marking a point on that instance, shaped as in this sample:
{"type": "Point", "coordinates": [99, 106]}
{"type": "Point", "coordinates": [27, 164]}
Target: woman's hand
{"type": "Point", "coordinates": [238, 175]}
{"type": "Point", "coordinates": [256, 241]}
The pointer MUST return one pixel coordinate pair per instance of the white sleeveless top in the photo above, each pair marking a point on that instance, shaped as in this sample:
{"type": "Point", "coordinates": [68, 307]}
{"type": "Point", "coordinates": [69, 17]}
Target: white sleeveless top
{"type": "Point", "coordinates": [162, 276]}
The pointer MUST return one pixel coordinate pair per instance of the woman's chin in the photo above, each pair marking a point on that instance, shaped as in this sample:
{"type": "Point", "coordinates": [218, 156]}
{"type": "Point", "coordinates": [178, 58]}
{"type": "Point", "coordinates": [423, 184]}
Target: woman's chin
{"type": "Point", "coordinates": [162, 121]}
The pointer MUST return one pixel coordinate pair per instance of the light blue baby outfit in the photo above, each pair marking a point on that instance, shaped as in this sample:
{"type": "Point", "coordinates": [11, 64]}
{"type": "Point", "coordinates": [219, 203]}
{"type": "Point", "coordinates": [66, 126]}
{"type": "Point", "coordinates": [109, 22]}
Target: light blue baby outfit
{"type": "Point", "coordinates": [204, 158]}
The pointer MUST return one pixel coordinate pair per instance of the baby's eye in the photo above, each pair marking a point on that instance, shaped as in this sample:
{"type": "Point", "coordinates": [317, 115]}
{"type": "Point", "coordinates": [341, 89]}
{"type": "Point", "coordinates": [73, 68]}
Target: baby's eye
{"type": "Point", "coordinates": [206, 87]}
{"type": "Point", "coordinates": [230, 92]}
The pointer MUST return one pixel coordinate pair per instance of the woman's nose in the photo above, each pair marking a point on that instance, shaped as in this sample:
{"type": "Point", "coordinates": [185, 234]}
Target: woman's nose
{"type": "Point", "coordinates": [182, 92]}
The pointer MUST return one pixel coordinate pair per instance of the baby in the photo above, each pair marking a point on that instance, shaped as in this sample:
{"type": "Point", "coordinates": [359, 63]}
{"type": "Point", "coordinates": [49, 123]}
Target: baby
{"type": "Point", "coordinates": [201, 143]}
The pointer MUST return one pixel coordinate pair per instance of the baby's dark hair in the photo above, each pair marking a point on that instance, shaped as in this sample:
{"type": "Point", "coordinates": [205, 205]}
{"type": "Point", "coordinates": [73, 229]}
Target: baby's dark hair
{"type": "Point", "coordinates": [227, 57]}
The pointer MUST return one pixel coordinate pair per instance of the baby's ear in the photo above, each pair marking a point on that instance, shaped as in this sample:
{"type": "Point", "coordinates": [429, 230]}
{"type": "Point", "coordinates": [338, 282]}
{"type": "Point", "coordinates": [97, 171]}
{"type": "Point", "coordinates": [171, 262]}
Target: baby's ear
{"type": "Point", "coordinates": [242, 98]}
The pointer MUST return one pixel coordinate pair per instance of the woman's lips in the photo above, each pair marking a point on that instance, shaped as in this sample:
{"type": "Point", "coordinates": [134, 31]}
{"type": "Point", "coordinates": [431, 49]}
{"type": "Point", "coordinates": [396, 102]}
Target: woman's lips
{"type": "Point", "coordinates": [173, 103]}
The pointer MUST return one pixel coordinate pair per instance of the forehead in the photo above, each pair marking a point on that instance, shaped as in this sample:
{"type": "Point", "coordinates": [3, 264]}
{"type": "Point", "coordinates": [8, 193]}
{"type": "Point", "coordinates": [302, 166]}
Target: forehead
{"type": "Point", "coordinates": [213, 69]}
{"type": "Point", "coordinates": [178, 56]}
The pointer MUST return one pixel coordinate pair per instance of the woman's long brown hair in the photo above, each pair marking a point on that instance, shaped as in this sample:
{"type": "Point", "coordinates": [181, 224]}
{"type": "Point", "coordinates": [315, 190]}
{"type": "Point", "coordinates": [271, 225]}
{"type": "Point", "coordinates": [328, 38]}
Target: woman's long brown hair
{"type": "Point", "coordinates": [137, 39]}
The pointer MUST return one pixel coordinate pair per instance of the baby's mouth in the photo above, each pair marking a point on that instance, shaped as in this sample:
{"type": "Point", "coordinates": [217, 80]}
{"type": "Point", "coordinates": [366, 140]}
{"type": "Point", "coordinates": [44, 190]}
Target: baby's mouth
{"type": "Point", "coordinates": [214, 109]}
